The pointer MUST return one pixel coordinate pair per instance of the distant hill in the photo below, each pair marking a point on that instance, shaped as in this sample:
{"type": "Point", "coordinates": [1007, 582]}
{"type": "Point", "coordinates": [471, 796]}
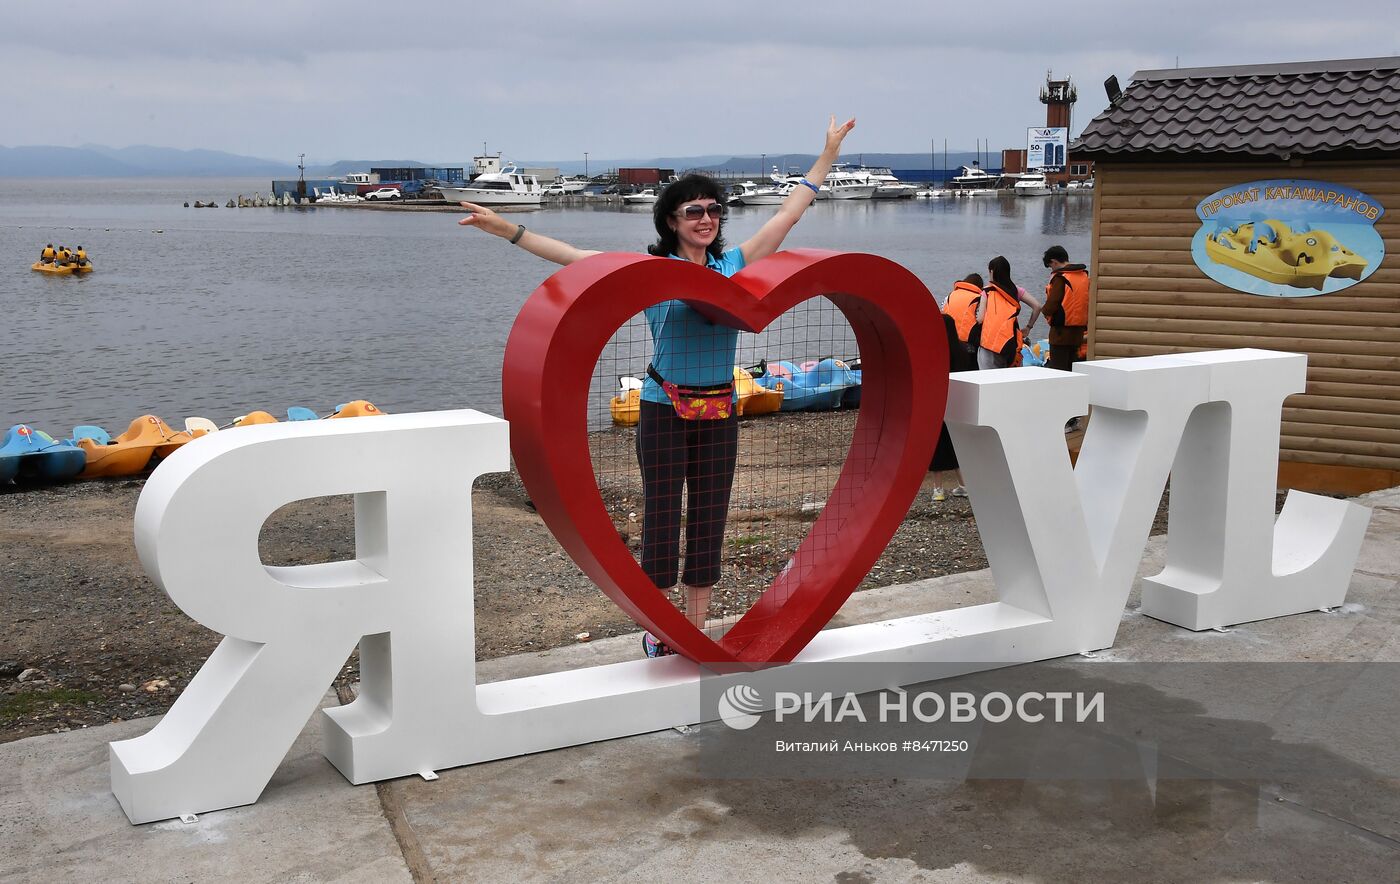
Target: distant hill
{"type": "Point", "coordinates": [99, 161]}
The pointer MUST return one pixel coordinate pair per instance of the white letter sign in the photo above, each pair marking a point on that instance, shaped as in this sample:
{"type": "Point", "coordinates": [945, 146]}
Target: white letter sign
{"type": "Point", "coordinates": [1064, 543]}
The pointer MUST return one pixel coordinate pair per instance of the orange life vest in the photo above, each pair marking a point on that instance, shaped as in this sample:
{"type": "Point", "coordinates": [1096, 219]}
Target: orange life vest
{"type": "Point", "coordinates": [999, 318]}
{"type": "Point", "coordinates": [1075, 305]}
{"type": "Point", "coordinates": [962, 306]}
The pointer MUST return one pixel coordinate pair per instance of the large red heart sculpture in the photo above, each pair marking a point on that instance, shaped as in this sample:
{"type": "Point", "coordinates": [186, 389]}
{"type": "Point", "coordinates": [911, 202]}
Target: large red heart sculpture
{"type": "Point", "coordinates": [555, 344]}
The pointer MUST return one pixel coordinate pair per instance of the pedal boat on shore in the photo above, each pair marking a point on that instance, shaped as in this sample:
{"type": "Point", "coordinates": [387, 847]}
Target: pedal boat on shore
{"type": "Point", "coordinates": [33, 457]}
{"type": "Point", "coordinates": [626, 403]}
{"type": "Point", "coordinates": [819, 388]}
{"type": "Point", "coordinates": [754, 398]}
{"type": "Point", "coordinates": [146, 437]}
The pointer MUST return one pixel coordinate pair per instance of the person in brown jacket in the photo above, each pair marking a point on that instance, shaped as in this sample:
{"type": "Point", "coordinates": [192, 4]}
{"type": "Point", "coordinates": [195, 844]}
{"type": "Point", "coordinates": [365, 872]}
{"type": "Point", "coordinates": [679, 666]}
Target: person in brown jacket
{"type": "Point", "coordinates": [1066, 307]}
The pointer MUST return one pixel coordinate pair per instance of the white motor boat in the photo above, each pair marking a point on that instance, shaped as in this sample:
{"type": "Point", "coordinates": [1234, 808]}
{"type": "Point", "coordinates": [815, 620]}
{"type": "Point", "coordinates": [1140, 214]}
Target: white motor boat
{"type": "Point", "coordinates": [848, 185]}
{"type": "Point", "coordinates": [564, 184]}
{"type": "Point", "coordinates": [930, 193]}
{"type": "Point", "coordinates": [778, 178]}
{"type": "Point", "coordinates": [750, 194]}
{"type": "Point", "coordinates": [1031, 184]}
{"type": "Point", "coordinates": [973, 181]}
{"type": "Point", "coordinates": [641, 198]}
{"type": "Point", "coordinates": [508, 187]}
{"type": "Point", "coordinates": [887, 186]}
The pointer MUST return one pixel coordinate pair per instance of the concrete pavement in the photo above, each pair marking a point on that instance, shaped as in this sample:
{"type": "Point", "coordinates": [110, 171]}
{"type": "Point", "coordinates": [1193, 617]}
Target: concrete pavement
{"type": "Point", "coordinates": [640, 808]}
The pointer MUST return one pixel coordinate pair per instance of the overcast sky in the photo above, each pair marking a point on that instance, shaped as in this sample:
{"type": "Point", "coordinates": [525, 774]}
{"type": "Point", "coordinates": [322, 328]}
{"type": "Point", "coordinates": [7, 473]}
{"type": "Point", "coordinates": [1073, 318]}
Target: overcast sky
{"type": "Point", "coordinates": [432, 81]}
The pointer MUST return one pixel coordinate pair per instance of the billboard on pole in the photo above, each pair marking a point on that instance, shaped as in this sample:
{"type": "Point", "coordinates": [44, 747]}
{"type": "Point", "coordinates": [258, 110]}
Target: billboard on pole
{"type": "Point", "coordinates": [1046, 148]}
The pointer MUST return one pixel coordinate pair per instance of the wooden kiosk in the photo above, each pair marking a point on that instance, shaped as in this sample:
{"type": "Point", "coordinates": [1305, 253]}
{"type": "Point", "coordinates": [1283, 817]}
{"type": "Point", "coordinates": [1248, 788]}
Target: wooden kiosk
{"type": "Point", "coordinates": [1177, 155]}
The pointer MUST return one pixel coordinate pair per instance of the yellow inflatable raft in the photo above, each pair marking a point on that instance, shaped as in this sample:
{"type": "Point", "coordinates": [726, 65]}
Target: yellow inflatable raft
{"type": "Point", "coordinates": [60, 269]}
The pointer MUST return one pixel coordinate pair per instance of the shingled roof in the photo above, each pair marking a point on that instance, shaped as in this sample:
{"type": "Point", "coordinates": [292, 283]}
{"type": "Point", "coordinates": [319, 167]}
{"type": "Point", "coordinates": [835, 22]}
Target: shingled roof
{"type": "Point", "coordinates": [1334, 109]}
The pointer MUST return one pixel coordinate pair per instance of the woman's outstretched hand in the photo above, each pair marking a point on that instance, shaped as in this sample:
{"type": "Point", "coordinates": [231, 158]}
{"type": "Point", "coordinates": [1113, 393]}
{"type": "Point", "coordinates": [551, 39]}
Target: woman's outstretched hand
{"type": "Point", "coordinates": [484, 219]}
{"type": "Point", "coordinates": [836, 134]}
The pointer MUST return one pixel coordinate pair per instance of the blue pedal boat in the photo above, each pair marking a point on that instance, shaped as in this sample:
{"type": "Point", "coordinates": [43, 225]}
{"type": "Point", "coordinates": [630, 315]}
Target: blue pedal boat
{"type": "Point", "coordinates": [33, 457]}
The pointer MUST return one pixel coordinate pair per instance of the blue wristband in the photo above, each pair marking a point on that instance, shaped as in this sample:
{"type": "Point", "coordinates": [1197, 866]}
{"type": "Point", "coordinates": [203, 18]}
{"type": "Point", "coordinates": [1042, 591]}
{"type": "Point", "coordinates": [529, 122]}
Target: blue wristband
{"type": "Point", "coordinates": [815, 188]}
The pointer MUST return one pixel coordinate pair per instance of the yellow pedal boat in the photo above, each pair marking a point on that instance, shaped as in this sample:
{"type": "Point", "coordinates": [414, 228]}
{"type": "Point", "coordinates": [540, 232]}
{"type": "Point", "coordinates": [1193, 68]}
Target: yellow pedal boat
{"type": "Point", "coordinates": [1270, 250]}
{"type": "Point", "coordinates": [755, 399]}
{"type": "Point", "coordinates": [130, 452]}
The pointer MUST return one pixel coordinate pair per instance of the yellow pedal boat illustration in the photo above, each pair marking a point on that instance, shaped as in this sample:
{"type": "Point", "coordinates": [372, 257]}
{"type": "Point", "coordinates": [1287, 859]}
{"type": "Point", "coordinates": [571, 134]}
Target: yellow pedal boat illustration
{"type": "Point", "coordinates": [1272, 251]}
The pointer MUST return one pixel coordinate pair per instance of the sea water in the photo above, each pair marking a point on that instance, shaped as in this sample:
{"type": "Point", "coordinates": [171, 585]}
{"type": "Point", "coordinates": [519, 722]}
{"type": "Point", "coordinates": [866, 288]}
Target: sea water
{"type": "Point", "coordinates": [218, 312]}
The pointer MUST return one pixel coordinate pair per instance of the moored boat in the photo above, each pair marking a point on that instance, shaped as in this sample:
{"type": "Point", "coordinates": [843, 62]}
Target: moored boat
{"type": "Point", "coordinates": [887, 185]}
{"type": "Point", "coordinates": [507, 187]}
{"type": "Point", "coordinates": [644, 197]}
{"type": "Point", "coordinates": [563, 185]}
{"type": "Point", "coordinates": [847, 185]}
{"type": "Point", "coordinates": [1031, 184]}
{"type": "Point", "coordinates": [751, 194]}
{"type": "Point", "coordinates": [973, 181]}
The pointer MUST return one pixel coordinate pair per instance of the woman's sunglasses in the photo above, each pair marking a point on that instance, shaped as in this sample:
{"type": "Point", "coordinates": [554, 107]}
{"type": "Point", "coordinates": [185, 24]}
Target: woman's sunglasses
{"type": "Point", "coordinates": [695, 211]}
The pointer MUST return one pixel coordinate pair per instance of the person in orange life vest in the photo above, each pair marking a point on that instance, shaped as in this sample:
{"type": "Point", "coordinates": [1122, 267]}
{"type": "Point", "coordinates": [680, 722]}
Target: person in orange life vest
{"type": "Point", "coordinates": [961, 306]}
{"type": "Point", "coordinates": [945, 458]}
{"type": "Point", "coordinates": [1066, 308]}
{"type": "Point", "coordinates": [1001, 332]}
{"type": "Point", "coordinates": [48, 255]}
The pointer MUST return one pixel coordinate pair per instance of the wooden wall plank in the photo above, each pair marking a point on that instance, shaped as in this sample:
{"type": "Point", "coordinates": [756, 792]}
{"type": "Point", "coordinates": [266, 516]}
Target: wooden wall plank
{"type": "Point", "coordinates": [1314, 404]}
{"type": "Point", "coordinates": [1355, 419]}
{"type": "Point", "coordinates": [1314, 335]}
{"type": "Point", "coordinates": [1297, 310]}
{"type": "Point", "coordinates": [1340, 459]}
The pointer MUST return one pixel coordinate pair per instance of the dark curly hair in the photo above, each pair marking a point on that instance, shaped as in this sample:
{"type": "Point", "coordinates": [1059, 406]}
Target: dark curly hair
{"type": "Point", "coordinates": [690, 187]}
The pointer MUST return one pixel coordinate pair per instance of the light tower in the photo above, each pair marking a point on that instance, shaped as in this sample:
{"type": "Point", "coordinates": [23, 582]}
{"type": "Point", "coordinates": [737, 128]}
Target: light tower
{"type": "Point", "coordinates": [1058, 96]}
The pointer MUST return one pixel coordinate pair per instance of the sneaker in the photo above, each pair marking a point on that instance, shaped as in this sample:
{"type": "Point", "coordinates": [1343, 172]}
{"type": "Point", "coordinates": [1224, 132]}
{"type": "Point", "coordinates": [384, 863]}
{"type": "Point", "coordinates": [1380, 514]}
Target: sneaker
{"type": "Point", "coordinates": [939, 495]}
{"type": "Point", "coordinates": [958, 491]}
{"type": "Point", "coordinates": [655, 647]}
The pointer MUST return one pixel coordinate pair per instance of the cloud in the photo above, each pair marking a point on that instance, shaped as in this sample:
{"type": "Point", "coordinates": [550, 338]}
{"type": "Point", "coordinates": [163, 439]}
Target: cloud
{"type": "Point", "coordinates": [433, 80]}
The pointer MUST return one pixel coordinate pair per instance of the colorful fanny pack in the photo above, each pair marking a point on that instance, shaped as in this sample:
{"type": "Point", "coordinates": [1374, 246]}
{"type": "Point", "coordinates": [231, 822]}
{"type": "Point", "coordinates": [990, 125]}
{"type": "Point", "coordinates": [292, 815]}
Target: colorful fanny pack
{"type": "Point", "coordinates": [697, 403]}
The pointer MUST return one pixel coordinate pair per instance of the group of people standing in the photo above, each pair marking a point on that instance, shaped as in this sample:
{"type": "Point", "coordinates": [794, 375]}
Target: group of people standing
{"type": "Point", "coordinates": [63, 256]}
{"type": "Point", "coordinates": [982, 319]}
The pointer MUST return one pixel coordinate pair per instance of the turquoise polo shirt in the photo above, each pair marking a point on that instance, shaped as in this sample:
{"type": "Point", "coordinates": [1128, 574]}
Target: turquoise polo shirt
{"type": "Point", "coordinates": [687, 348]}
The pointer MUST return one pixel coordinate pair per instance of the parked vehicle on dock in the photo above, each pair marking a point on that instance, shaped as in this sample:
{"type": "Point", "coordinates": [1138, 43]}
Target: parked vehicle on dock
{"type": "Point", "coordinates": [384, 193]}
